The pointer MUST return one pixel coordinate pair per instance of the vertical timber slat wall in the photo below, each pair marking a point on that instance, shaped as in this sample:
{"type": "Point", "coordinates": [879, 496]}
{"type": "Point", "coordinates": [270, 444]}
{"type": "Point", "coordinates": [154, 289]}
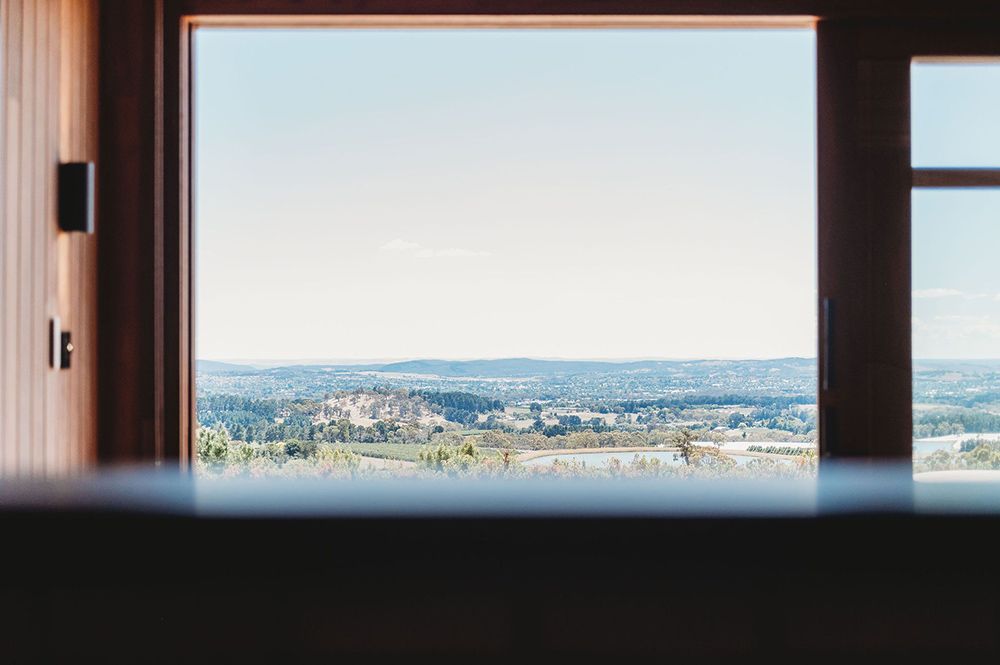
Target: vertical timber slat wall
{"type": "Point", "coordinates": [48, 115]}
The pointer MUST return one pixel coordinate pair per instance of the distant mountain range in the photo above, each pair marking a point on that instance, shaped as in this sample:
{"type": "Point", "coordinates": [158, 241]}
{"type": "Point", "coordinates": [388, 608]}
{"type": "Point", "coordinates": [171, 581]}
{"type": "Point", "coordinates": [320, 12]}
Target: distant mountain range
{"type": "Point", "coordinates": [217, 367]}
{"type": "Point", "coordinates": [521, 367]}
{"type": "Point", "coordinates": [526, 367]}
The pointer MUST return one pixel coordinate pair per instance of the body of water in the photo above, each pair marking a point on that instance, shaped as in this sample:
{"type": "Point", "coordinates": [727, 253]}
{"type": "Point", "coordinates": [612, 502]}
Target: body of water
{"type": "Point", "coordinates": [603, 459]}
{"type": "Point", "coordinates": [950, 443]}
{"type": "Point", "coordinates": [924, 447]}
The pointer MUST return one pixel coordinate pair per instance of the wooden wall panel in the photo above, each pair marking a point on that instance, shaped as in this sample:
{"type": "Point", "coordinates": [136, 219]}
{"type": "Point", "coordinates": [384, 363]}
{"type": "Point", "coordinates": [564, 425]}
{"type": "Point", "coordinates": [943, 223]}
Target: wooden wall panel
{"type": "Point", "coordinates": [132, 275]}
{"type": "Point", "coordinates": [48, 114]}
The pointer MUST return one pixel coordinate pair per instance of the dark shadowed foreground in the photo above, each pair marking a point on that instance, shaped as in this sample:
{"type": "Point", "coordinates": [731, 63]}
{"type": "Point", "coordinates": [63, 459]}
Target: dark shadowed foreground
{"type": "Point", "coordinates": [860, 564]}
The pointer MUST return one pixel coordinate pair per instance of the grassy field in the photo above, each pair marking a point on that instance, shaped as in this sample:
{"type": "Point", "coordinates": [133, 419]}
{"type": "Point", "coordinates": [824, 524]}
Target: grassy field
{"type": "Point", "coordinates": [401, 451]}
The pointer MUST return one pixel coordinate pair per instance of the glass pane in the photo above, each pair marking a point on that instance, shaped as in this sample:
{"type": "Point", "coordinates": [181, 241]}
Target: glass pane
{"type": "Point", "coordinates": [488, 251]}
{"type": "Point", "coordinates": [956, 329]}
{"type": "Point", "coordinates": [955, 111]}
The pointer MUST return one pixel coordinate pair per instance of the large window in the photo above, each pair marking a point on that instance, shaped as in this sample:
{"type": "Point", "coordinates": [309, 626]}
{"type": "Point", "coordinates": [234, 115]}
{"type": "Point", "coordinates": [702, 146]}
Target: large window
{"type": "Point", "coordinates": [956, 287]}
{"type": "Point", "coordinates": [505, 252]}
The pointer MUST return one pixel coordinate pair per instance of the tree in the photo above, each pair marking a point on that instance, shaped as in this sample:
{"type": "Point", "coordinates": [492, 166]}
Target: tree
{"type": "Point", "coordinates": [450, 459]}
{"type": "Point", "coordinates": [554, 430]}
{"type": "Point", "coordinates": [300, 449]}
{"type": "Point", "coordinates": [570, 421]}
{"type": "Point", "coordinates": [213, 445]}
{"type": "Point", "coordinates": [494, 439]}
{"type": "Point", "coordinates": [683, 440]}
{"type": "Point", "coordinates": [717, 438]}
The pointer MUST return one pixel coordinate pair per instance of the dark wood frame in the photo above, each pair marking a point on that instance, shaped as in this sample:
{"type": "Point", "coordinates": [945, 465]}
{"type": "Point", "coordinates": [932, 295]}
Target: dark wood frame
{"type": "Point", "coordinates": [956, 177]}
{"type": "Point", "coordinates": [864, 51]}
{"type": "Point", "coordinates": [865, 183]}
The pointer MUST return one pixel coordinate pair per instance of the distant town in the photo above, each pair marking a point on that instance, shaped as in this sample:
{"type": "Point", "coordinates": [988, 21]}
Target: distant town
{"type": "Point", "coordinates": [523, 415]}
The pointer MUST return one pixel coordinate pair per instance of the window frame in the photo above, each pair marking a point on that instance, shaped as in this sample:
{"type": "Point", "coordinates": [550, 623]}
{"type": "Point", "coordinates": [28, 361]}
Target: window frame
{"type": "Point", "coordinates": [936, 177]}
{"type": "Point", "coordinates": [864, 180]}
{"type": "Point", "coordinates": [952, 177]}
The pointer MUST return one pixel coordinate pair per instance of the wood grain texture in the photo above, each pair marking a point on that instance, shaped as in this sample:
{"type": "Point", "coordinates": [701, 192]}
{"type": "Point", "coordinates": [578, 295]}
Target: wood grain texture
{"type": "Point", "coordinates": [48, 115]}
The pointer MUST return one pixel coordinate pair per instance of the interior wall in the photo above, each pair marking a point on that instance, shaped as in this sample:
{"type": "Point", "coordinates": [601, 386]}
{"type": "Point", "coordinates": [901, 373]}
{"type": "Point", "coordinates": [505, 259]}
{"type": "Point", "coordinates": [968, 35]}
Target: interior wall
{"type": "Point", "coordinates": [48, 115]}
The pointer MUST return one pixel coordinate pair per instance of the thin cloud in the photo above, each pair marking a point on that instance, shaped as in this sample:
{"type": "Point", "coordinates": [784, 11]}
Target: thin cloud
{"type": "Point", "coordinates": [927, 294]}
{"type": "Point", "coordinates": [450, 252]}
{"type": "Point", "coordinates": [960, 327]}
{"type": "Point", "coordinates": [401, 246]}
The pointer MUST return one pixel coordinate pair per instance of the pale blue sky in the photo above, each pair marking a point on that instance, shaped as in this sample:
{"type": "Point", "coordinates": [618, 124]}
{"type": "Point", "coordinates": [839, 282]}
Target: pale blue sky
{"type": "Point", "coordinates": [956, 233]}
{"type": "Point", "coordinates": [385, 194]}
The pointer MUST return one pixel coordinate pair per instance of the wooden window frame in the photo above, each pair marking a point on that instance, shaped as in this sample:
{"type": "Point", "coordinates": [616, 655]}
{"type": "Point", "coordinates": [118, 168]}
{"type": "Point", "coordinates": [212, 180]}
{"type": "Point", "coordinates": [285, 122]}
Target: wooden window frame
{"type": "Point", "coordinates": [931, 178]}
{"type": "Point", "coordinates": [866, 179]}
{"type": "Point", "coordinates": [863, 55]}
{"type": "Point", "coordinates": [954, 177]}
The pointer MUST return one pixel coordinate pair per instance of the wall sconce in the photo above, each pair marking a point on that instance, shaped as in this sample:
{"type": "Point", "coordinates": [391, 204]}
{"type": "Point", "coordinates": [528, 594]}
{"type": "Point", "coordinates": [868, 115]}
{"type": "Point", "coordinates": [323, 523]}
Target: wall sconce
{"type": "Point", "coordinates": [76, 197]}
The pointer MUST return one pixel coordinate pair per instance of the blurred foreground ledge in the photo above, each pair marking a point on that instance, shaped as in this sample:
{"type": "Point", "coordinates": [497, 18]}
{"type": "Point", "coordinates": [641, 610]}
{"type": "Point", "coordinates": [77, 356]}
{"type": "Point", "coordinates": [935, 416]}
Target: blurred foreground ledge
{"type": "Point", "coordinates": [861, 563]}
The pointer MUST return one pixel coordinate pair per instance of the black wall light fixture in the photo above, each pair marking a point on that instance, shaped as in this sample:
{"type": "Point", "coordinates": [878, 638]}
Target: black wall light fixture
{"type": "Point", "coordinates": [76, 196]}
{"type": "Point", "coordinates": [60, 345]}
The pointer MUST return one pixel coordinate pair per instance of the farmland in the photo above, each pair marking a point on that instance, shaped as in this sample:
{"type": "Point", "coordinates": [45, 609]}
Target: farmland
{"type": "Point", "coordinates": [396, 411]}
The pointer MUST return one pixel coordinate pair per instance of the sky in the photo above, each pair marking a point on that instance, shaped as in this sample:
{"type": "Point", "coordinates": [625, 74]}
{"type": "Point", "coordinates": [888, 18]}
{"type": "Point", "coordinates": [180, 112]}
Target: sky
{"type": "Point", "coordinates": [497, 193]}
{"type": "Point", "coordinates": [956, 233]}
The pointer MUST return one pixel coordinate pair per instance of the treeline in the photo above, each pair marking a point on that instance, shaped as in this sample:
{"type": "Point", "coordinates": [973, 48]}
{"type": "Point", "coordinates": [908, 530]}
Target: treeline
{"type": "Point", "coordinates": [459, 407]}
{"type": "Point", "coordinates": [796, 421]}
{"type": "Point", "coordinates": [568, 424]}
{"type": "Point", "coordinates": [969, 401]}
{"type": "Point", "coordinates": [235, 411]}
{"type": "Point", "coordinates": [335, 431]}
{"type": "Point", "coordinates": [778, 402]}
{"type": "Point", "coordinates": [270, 420]}
{"type": "Point", "coordinates": [953, 421]}
{"type": "Point", "coordinates": [971, 444]}
{"type": "Point", "coordinates": [275, 420]}
{"type": "Point", "coordinates": [460, 400]}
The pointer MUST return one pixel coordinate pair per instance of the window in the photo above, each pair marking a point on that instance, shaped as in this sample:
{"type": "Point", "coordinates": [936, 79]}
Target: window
{"type": "Point", "coordinates": [954, 105]}
{"type": "Point", "coordinates": [956, 292]}
{"type": "Point", "coordinates": [505, 252]}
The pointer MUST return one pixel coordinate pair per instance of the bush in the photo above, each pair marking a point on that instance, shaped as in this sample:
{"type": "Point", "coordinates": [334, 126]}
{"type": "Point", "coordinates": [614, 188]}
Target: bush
{"type": "Point", "coordinates": [220, 456]}
{"type": "Point", "coordinates": [450, 459]}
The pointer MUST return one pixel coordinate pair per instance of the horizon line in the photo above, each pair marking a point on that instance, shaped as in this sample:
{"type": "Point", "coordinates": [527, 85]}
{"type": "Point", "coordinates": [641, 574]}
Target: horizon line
{"type": "Point", "coordinates": [489, 358]}
{"type": "Point", "coordinates": [627, 359]}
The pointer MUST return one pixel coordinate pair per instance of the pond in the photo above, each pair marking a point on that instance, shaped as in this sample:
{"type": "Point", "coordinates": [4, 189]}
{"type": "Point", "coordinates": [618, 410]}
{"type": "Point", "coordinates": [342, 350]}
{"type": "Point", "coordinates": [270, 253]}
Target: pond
{"type": "Point", "coordinates": [923, 448]}
{"type": "Point", "coordinates": [950, 443]}
{"type": "Point", "coordinates": [602, 459]}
